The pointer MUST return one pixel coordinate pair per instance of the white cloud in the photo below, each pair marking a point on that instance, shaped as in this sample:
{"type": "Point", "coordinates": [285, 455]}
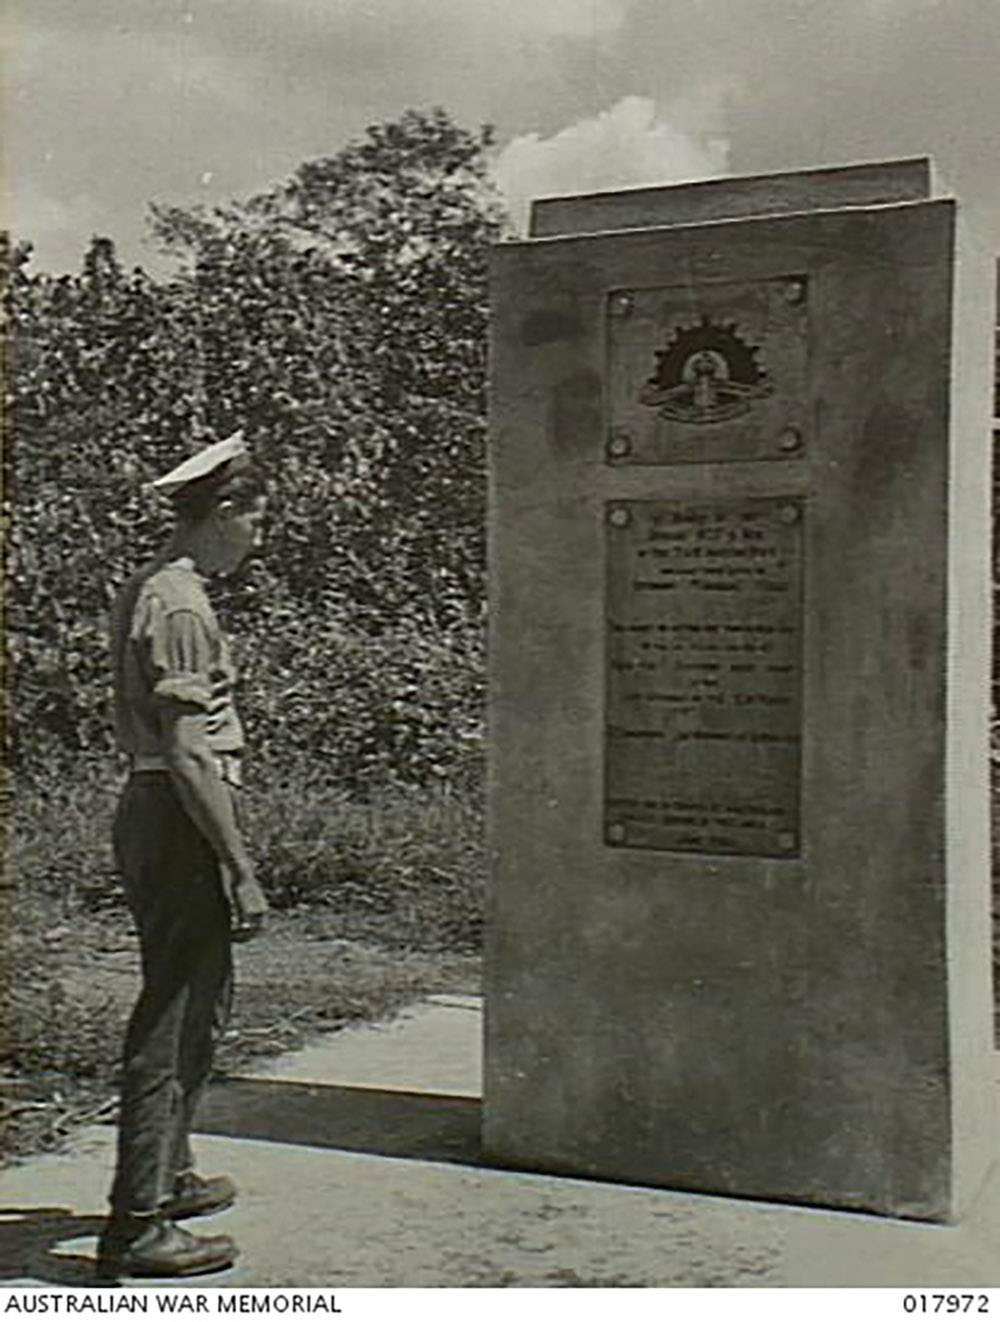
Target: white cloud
{"type": "Point", "coordinates": [629, 145]}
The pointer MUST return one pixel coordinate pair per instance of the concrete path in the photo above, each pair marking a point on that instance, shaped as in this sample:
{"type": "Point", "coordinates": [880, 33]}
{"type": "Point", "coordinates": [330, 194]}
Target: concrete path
{"type": "Point", "coordinates": [357, 1164]}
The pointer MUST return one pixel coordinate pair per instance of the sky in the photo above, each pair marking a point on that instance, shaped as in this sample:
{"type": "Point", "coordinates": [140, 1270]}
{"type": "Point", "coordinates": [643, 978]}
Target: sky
{"type": "Point", "coordinates": [111, 104]}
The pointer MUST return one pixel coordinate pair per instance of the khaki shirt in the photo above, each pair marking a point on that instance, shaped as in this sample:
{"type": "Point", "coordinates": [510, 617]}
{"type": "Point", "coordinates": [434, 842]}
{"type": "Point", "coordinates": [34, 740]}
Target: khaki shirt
{"type": "Point", "coordinates": [168, 648]}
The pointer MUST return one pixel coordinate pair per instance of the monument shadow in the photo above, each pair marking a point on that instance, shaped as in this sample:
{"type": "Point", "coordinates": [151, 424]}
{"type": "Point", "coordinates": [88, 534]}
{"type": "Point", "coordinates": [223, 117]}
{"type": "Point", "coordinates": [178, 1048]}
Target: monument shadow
{"type": "Point", "coordinates": [384, 1123]}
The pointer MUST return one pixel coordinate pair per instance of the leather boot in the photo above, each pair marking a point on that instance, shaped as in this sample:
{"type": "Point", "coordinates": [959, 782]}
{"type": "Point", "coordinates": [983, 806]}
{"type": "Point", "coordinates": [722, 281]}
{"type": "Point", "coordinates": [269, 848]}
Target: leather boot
{"type": "Point", "coordinates": [196, 1195]}
{"type": "Point", "coordinates": [154, 1246]}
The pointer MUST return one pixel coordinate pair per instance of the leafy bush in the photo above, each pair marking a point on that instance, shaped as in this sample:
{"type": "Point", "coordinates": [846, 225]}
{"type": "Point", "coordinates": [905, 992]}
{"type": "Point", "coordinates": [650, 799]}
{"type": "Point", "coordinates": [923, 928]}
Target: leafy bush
{"type": "Point", "coordinates": [341, 321]}
{"type": "Point", "coordinates": [405, 868]}
{"type": "Point", "coordinates": [402, 705]}
{"type": "Point", "coordinates": [59, 854]}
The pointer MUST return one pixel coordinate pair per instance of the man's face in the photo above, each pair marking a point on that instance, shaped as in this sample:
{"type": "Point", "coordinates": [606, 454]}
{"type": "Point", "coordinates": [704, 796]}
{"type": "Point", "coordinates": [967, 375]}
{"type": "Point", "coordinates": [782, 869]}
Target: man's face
{"type": "Point", "coordinates": [241, 532]}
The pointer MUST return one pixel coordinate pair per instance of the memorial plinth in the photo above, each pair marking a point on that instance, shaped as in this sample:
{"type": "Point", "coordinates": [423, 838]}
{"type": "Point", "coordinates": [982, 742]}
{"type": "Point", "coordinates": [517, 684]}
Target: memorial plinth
{"type": "Point", "coordinates": [738, 919]}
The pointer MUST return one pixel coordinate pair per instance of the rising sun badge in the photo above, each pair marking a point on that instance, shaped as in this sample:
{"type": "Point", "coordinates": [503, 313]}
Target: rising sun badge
{"type": "Point", "coordinates": [707, 373]}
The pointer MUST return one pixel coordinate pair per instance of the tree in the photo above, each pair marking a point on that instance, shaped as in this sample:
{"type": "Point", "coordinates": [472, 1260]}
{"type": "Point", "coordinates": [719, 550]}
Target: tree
{"type": "Point", "coordinates": [354, 299]}
{"type": "Point", "coordinates": [341, 321]}
{"type": "Point", "coordinates": [92, 404]}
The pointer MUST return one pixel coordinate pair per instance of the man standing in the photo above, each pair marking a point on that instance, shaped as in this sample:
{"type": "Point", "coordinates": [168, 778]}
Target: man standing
{"type": "Point", "coordinates": [187, 877]}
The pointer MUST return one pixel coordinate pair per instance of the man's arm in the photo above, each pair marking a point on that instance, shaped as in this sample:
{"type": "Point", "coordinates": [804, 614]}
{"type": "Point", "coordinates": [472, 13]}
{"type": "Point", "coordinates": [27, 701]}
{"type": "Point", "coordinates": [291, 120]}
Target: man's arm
{"type": "Point", "coordinates": [209, 802]}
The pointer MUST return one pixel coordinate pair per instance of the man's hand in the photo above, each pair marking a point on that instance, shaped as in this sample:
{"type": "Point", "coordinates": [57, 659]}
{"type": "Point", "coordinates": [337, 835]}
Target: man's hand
{"type": "Point", "coordinates": [248, 905]}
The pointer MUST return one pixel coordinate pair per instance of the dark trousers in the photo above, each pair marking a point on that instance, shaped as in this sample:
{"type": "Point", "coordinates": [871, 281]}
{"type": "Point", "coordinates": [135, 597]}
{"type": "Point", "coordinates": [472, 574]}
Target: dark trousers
{"type": "Point", "coordinates": [174, 890]}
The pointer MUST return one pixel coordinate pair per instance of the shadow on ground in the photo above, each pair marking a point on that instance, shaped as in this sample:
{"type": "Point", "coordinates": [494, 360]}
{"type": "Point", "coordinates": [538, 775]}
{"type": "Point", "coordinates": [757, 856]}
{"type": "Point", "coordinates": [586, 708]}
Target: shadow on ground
{"type": "Point", "coordinates": [29, 1238]}
{"type": "Point", "coordinates": [421, 1126]}
{"type": "Point", "coordinates": [38, 1243]}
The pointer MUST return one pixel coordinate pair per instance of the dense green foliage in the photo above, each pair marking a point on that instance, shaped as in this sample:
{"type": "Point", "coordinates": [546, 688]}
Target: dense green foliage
{"type": "Point", "coordinates": [341, 321]}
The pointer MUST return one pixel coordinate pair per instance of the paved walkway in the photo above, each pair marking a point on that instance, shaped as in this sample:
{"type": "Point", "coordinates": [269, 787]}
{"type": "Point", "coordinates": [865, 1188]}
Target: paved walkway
{"type": "Point", "coordinates": [357, 1163]}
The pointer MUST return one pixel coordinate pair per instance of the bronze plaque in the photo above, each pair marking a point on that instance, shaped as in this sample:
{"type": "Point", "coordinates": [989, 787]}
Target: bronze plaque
{"type": "Point", "coordinates": [708, 372]}
{"type": "Point", "coordinates": [704, 675]}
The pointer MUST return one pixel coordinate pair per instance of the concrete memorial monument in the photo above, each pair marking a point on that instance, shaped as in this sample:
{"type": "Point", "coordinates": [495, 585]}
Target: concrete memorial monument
{"type": "Point", "coordinates": [739, 924]}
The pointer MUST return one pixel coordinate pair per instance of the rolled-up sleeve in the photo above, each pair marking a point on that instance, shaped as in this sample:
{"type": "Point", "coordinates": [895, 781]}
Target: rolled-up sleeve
{"type": "Point", "coordinates": [180, 658]}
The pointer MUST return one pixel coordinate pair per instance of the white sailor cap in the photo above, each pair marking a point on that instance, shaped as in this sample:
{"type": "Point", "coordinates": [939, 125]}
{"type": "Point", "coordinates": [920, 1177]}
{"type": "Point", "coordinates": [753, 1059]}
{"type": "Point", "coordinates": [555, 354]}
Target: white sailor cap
{"type": "Point", "coordinates": [211, 460]}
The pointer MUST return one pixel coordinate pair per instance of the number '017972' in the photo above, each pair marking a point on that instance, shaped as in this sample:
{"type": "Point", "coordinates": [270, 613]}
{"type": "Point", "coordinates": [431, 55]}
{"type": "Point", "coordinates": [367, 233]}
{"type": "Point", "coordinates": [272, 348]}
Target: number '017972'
{"type": "Point", "coordinates": [946, 1303]}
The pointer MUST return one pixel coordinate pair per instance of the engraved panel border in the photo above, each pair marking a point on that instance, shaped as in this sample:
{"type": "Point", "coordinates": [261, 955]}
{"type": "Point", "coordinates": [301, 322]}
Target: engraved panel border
{"type": "Point", "coordinates": [708, 372]}
{"type": "Point", "coordinates": [704, 639]}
